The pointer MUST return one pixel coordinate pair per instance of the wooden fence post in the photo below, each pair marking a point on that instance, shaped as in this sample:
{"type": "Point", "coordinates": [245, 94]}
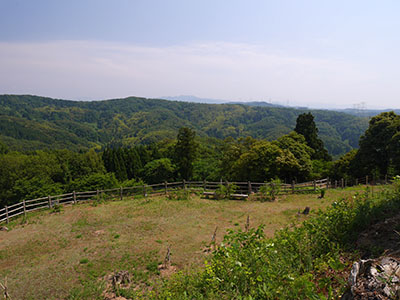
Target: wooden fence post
{"type": "Point", "coordinates": [249, 187]}
{"type": "Point", "coordinates": [184, 184]}
{"type": "Point", "coordinates": [7, 221]}
{"type": "Point", "coordinates": [121, 190]}
{"type": "Point", "coordinates": [342, 183]}
{"type": "Point", "coordinates": [386, 177]}
{"type": "Point", "coordinates": [144, 191]}
{"type": "Point", "coordinates": [356, 181]}
{"type": "Point", "coordinates": [49, 200]}
{"type": "Point", "coordinates": [315, 185]}
{"type": "Point", "coordinates": [366, 180]}
{"type": "Point", "coordinates": [166, 187]}
{"type": "Point", "coordinates": [345, 182]}
{"type": "Point", "coordinates": [97, 195]}
{"type": "Point", "coordinates": [292, 186]}
{"type": "Point", "coordinates": [74, 194]}
{"type": "Point", "coordinates": [335, 184]}
{"type": "Point", "coordinates": [24, 208]}
{"type": "Point", "coordinates": [204, 184]}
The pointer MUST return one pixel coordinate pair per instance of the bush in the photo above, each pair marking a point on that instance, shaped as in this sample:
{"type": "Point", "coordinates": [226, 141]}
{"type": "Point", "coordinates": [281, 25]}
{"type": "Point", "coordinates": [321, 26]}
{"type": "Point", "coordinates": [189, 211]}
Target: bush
{"type": "Point", "coordinates": [225, 191]}
{"type": "Point", "coordinates": [179, 194]}
{"type": "Point", "coordinates": [35, 188]}
{"type": "Point", "coordinates": [269, 191]}
{"type": "Point", "coordinates": [93, 182]}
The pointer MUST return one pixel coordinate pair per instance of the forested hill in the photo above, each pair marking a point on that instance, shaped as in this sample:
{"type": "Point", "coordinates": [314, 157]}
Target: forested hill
{"type": "Point", "coordinates": [32, 122]}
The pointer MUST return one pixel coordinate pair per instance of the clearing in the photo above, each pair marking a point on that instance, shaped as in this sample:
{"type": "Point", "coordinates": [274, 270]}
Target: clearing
{"type": "Point", "coordinates": [64, 255]}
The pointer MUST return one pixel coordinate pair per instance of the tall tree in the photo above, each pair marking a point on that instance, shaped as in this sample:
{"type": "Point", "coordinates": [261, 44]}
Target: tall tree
{"type": "Point", "coordinates": [379, 147]}
{"type": "Point", "coordinates": [185, 152]}
{"type": "Point", "coordinates": [305, 126]}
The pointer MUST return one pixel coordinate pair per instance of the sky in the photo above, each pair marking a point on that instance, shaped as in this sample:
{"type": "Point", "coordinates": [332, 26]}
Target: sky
{"type": "Point", "coordinates": [320, 54]}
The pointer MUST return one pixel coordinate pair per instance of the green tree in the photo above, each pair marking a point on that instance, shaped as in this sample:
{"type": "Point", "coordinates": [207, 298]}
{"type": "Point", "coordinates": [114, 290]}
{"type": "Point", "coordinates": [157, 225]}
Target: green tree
{"type": "Point", "coordinates": [231, 152]}
{"type": "Point", "coordinates": [93, 182]}
{"type": "Point", "coordinates": [159, 170]}
{"type": "Point", "coordinates": [3, 148]}
{"type": "Point", "coordinates": [305, 126]}
{"type": "Point", "coordinates": [297, 145]}
{"type": "Point", "coordinates": [260, 163]}
{"type": "Point", "coordinates": [36, 187]}
{"type": "Point", "coordinates": [379, 147]}
{"type": "Point", "coordinates": [342, 167]}
{"type": "Point", "coordinates": [185, 152]}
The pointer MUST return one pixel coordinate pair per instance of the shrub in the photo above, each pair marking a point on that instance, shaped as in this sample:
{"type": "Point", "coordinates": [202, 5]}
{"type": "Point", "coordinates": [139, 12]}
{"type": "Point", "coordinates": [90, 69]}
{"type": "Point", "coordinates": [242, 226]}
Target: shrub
{"type": "Point", "coordinates": [269, 191]}
{"type": "Point", "coordinates": [94, 182]}
{"type": "Point", "coordinates": [224, 191]}
{"type": "Point", "coordinates": [35, 188]}
{"type": "Point", "coordinates": [179, 194]}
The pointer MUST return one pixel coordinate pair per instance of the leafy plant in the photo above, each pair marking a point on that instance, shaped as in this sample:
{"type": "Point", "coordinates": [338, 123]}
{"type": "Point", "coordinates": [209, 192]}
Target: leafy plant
{"type": "Point", "coordinates": [225, 191]}
{"type": "Point", "coordinates": [270, 190]}
{"type": "Point", "coordinates": [57, 208]}
{"type": "Point", "coordinates": [179, 194]}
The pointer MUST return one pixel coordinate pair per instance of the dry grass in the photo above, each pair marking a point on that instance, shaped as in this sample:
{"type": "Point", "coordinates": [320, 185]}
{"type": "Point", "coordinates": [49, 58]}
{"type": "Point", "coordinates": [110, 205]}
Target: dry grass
{"type": "Point", "coordinates": [63, 255]}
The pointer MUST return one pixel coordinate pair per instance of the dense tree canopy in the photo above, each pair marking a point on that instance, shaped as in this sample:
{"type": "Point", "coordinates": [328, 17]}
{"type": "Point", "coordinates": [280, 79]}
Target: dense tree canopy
{"type": "Point", "coordinates": [292, 156]}
{"type": "Point", "coordinates": [185, 152]}
{"type": "Point", "coordinates": [379, 152]}
{"type": "Point", "coordinates": [305, 126]}
{"type": "Point", "coordinates": [32, 123]}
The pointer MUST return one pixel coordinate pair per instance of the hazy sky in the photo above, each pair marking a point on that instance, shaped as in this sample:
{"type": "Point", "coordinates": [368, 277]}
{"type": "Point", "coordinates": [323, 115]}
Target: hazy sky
{"type": "Point", "coordinates": [316, 53]}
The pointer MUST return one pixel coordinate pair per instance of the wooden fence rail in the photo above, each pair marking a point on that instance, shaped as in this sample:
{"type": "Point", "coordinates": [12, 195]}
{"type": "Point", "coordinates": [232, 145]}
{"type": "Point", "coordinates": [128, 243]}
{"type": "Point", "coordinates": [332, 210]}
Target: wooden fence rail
{"type": "Point", "coordinates": [248, 188]}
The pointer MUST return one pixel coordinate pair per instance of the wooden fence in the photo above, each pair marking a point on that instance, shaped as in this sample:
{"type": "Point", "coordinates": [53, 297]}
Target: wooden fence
{"type": "Point", "coordinates": [22, 208]}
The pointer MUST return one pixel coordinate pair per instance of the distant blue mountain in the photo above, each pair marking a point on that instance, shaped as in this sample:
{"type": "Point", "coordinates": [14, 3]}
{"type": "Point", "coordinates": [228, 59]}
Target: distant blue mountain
{"type": "Point", "coordinates": [194, 99]}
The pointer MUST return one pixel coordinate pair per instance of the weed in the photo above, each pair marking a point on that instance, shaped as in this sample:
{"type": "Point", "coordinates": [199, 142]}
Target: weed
{"type": "Point", "coordinates": [153, 267]}
{"type": "Point", "coordinates": [225, 191]}
{"type": "Point", "coordinates": [179, 194]}
{"type": "Point", "coordinates": [57, 208]}
{"type": "Point", "coordinates": [79, 224]}
{"type": "Point", "coordinates": [84, 261]}
{"type": "Point", "coordinates": [88, 290]}
{"type": "Point", "coordinates": [270, 190]}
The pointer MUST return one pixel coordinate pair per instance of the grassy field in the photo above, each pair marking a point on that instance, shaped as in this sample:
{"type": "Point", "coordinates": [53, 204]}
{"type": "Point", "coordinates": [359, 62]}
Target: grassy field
{"type": "Point", "coordinates": [67, 254]}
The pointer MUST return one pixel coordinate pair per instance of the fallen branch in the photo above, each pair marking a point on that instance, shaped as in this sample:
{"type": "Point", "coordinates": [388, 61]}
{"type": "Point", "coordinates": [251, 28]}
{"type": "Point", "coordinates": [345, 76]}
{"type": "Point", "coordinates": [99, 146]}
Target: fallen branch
{"type": "Point", "coordinates": [4, 287]}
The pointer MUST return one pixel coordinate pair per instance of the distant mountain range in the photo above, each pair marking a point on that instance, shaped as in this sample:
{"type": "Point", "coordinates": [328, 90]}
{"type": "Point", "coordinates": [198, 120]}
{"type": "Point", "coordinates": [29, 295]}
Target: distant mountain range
{"type": "Point", "coordinates": [351, 111]}
{"type": "Point", "coordinates": [194, 99]}
{"type": "Point", "coordinates": [32, 122]}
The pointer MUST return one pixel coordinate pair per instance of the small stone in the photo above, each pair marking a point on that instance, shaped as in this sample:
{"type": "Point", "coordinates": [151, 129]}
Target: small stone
{"type": "Point", "coordinates": [387, 291]}
{"type": "Point", "coordinates": [353, 274]}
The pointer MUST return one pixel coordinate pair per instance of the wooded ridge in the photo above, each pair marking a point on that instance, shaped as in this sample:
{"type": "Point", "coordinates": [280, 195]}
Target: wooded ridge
{"type": "Point", "coordinates": [32, 122]}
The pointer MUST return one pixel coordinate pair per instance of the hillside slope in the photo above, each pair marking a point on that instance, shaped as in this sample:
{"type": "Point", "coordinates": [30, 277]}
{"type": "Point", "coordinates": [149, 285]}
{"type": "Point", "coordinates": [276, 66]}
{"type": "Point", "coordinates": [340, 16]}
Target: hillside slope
{"type": "Point", "coordinates": [32, 122]}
